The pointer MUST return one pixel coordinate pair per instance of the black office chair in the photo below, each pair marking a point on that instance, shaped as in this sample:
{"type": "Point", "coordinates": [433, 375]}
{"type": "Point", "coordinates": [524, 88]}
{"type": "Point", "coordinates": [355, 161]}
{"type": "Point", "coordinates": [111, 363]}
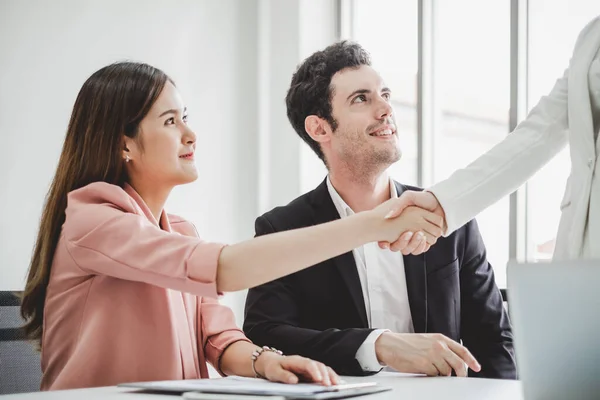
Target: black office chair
{"type": "Point", "coordinates": [20, 368]}
{"type": "Point", "coordinates": [504, 295]}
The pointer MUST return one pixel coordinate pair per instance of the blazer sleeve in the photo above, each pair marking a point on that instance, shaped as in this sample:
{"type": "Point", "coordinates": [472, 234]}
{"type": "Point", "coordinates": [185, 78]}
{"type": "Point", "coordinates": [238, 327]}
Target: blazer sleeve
{"type": "Point", "coordinates": [218, 330]}
{"type": "Point", "coordinates": [485, 325]}
{"type": "Point", "coordinates": [511, 162]}
{"type": "Point", "coordinates": [105, 236]}
{"type": "Point", "coordinates": [272, 318]}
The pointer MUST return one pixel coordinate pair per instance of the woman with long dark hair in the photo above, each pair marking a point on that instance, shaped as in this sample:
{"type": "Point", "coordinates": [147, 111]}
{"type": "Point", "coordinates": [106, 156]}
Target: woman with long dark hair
{"type": "Point", "coordinates": [120, 291]}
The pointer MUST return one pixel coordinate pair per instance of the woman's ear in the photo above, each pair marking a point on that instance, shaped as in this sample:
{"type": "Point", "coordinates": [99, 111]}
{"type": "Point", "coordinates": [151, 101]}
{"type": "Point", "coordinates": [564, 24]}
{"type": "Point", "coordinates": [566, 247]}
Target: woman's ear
{"type": "Point", "coordinates": [127, 146]}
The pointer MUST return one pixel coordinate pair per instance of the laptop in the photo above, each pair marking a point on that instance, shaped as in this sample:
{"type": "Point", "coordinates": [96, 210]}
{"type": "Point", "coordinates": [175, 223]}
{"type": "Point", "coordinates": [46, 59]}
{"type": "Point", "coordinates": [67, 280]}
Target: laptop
{"type": "Point", "coordinates": [555, 312]}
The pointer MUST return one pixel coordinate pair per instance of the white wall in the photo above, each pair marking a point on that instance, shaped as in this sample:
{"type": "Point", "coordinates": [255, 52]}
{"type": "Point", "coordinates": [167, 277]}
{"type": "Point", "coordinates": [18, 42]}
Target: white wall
{"type": "Point", "coordinates": [232, 61]}
{"type": "Point", "coordinates": [289, 31]}
{"type": "Point", "coordinates": [49, 48]}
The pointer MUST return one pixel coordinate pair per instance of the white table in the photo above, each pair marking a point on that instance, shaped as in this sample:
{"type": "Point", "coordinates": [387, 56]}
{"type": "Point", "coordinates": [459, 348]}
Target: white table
{"type": "Point", "coordinates": [404, 388]}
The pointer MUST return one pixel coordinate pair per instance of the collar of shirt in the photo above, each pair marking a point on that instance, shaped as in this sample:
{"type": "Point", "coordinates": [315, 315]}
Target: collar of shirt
{"type": "Point", "coordinates": [344, 209]}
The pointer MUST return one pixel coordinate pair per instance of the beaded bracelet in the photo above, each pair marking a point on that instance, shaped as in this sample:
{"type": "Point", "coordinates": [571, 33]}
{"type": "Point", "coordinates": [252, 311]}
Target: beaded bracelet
{"type": "Point", "coordinates": [257, 354]}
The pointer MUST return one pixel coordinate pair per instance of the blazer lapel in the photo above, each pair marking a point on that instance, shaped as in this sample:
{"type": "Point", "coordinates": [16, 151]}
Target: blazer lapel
{"type": "Point", "coordinates": [580, 111]}
{"type": "Point", "coordinates": [325, 211]}
{"type": "Point", "coordinates": [416, 284]}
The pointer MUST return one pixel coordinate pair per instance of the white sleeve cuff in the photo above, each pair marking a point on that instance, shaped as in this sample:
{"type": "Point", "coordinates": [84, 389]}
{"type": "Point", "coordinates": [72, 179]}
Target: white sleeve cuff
{"type": "Point", "coordinates": [444, 199]}
{"type": "Point", "coordinates": [366, 355]}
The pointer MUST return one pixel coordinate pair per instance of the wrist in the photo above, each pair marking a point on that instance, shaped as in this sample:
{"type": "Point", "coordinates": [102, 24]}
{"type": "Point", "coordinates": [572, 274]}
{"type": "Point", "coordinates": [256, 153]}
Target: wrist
{"type": "Point", "coordinates": [372, 226]}
{"type": "Point", "coordinates": [381, 348]}
{"type": "Point", "coordinates": [261, 358]}
{"type": "Point", "coordinates": [439, 209]}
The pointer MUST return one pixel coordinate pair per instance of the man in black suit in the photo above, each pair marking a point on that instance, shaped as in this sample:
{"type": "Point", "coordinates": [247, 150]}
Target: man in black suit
{"type": "Point", "coordinates": [373, 307]}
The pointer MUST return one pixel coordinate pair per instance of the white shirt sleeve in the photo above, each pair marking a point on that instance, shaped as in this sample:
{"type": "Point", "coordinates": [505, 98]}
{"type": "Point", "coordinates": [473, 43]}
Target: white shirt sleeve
{"type": "Point", "coordinates": [366, 355]}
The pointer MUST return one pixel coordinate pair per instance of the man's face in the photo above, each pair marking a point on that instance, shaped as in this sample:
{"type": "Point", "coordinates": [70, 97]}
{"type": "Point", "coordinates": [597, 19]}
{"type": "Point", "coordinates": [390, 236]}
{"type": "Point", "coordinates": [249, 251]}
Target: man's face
{"type": "Point", "coordinates": [365, 136]}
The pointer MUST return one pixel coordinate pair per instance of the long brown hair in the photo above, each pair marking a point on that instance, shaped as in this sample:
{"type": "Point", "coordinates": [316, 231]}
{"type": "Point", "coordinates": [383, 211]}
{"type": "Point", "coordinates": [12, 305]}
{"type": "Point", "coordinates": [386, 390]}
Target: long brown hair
{"type": "Point", "coordinates": [111, 103]}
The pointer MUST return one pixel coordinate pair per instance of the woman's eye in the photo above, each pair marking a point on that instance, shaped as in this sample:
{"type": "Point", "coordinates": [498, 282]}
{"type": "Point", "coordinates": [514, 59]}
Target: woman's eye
{"type": "Point", "coordinates": [170, 121]}
{"type": "Point", "coordinates": [185, 118]}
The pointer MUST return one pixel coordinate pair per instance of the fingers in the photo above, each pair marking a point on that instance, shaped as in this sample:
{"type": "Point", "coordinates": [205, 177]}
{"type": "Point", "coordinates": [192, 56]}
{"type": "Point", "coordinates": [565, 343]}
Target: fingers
{"type": "Point", "coordinates": [464, 354]}
{"type": "Point", "coordinates": [419, 243]}
{"type": "Point", "coordinates": [430, 227]}
{"type": "Point", "coordinates": [417, 246]}
{"type": "Point", "coordinates": [325, 374]}
{"type": "Point", "coordinates": [427, 367]}
{"type": "Point", "coordinates": [448, 361]}
{"type": "Point", "coordinates": [445, 359]}
{"type": "Point", "coordinates": [429, 238]}
{"type": "Point", "coordinates": [384, 245]}
{"type": "Point", "coordinates": [424, 200]}
{"type": "Point", "coordinates": [419, 220]}
{"type": "Point", "coordinates": [399, 204]}
{"type": "Point", "coordinates": [437, 354]}
{"type": "Point", "coordinates": [290, 368]}
{"type": "Point", "coordinates": [422, 248]}
{"type": "Point", "coordinates": [282, 375]}
{"type": "Point", "coordinates": [443, 368]}
{"type": "Point", "coordinates": [396, 209]}
{"type": "Point", "coordinates": [434, 218]}
{"type": "Point", "coordinates": [311, 370]}
{"type": "Point", "coordinates": [456, 363]}
{"type": "Point", "coordinates": [431, 354]}
{"type": "Point", "coordinates": [412, 245]}
{"type": "Point", "coordinates": [333, 377]}
{"type": "Point", "coordinates": [403, 241]}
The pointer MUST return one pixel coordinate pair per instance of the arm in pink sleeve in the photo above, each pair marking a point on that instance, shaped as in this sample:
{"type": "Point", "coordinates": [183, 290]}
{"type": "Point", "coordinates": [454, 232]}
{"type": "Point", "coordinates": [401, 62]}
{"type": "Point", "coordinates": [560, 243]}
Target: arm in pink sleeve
{"type": "Point", "coordinates": [218, 330]}
{"type": "Point", "coordinates": [106, 236]}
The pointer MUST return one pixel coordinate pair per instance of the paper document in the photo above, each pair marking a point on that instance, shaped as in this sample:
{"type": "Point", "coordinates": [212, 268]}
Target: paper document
{"type": "Point", "coordinates": [236, 384]}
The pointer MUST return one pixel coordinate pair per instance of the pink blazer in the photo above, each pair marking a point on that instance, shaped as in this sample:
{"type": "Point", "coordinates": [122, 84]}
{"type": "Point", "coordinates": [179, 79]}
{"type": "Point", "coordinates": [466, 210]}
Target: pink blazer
{"type": "Point", "coordinates": [120, 306]}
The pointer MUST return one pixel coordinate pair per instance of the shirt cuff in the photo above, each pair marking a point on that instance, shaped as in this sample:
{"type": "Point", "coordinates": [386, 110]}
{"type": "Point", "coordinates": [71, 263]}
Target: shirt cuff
{"type": "Point", "coordinates": [366, 355]}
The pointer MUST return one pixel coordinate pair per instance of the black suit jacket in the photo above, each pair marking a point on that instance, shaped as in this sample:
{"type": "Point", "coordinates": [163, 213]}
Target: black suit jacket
{"type": "Point", "coordinates": [320, 312]}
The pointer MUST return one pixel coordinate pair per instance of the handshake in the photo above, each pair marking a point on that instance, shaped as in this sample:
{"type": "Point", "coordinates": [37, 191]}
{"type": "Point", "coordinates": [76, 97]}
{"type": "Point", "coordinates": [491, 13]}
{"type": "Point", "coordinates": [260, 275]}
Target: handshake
{"type": "Point", "coordinates": [415, 221]}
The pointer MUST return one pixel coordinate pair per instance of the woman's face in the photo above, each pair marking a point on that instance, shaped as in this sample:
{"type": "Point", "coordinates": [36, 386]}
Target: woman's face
{"type": "Point", "coordinates": [162, 155]}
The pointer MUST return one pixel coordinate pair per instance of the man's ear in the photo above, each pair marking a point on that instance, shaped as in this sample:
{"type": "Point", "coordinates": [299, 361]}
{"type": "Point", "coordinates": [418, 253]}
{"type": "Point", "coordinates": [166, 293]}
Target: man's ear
{"type": "Point", "coordinates": [317, 128]}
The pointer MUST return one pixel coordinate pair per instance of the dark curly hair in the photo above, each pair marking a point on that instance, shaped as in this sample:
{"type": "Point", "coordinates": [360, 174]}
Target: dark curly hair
{"type": "Point", "coordinates": [310, 92]}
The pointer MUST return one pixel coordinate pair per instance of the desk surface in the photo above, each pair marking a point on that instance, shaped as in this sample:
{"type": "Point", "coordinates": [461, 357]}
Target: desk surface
{"type": "Point", "coordinates": [404, 387]}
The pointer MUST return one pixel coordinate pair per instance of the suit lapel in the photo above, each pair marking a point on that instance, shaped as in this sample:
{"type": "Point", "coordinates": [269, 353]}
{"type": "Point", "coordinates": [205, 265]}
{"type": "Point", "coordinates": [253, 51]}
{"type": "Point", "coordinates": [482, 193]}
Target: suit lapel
{"type": "Point", "coordinates": [416, 284]}
{"type": "Point", "coordinates": [325, 211]}
{"type": "Point", "coordinates": [580, 110]}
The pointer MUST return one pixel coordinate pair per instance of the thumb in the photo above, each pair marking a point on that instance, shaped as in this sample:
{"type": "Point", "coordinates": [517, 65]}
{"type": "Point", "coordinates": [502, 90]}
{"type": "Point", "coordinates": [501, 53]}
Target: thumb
{"type": "Point", "coordinates": [405, 200]}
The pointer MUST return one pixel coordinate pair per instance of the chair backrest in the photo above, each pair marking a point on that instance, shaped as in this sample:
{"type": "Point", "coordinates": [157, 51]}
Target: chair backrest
{"type": "Point", "coordinates": [20, 368]}
{"type": "Point", "coordinates": [504, 294]}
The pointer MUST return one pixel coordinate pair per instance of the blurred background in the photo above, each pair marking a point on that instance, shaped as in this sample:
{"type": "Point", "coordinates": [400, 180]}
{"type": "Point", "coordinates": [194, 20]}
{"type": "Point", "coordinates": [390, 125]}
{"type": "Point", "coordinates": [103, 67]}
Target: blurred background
{"type": "Point", "coordinates": [463, 73]}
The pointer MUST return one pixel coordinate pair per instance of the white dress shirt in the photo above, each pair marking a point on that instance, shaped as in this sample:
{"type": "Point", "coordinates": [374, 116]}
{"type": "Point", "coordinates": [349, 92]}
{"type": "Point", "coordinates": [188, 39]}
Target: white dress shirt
{"type": "Point", "coordinates": [383, 283]}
